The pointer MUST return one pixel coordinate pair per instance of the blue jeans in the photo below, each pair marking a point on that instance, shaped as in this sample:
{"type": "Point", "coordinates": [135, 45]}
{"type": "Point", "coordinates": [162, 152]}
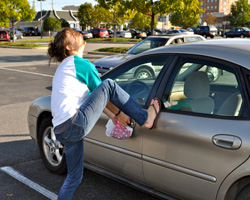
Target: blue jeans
{"type": "Point", "coordinates": [86, 118]}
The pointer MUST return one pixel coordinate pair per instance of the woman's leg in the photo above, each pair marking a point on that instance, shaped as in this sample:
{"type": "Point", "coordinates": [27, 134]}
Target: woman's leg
{"type": "Point", "coordinates": [74, 158]}
{"type": "Point", "coordinates": [108, 90]}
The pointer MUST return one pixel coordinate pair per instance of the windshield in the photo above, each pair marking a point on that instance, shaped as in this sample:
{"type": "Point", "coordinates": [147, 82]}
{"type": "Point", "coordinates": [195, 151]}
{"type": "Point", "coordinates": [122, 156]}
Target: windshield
{"type": "Point", "coordinates": [147, 44]}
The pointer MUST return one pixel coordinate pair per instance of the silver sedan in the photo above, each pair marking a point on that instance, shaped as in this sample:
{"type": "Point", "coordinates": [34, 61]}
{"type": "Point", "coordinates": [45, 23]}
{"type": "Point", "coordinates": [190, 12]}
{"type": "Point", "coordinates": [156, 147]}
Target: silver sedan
{"type": "Point", "coordinates": [199, 149]}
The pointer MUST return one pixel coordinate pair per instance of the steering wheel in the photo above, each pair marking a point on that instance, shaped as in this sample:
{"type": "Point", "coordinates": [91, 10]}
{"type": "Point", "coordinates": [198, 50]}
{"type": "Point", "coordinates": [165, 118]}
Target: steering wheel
{"type": "Point", "coordinates": [138, 90]}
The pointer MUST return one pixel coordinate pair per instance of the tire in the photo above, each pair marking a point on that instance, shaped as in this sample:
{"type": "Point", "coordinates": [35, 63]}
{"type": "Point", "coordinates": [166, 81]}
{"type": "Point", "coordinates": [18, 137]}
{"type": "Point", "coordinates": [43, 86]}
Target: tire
{"type": "Point", "coordinates": [241, 36]}
{"type": "Point", "coordinates": [225, 36]}
{"type": "Point", "coordinates": [211, 36]}
{"type": "Point", "coordinates": [215, 71]}
{"type": "Point", "coordinates": [244, 194]}
{"type": "Point", "coordinates": [143, 73]}
{"type": "Point", "coordinates": [204, 35]}
{"type": "Point", "coordinates": [51, 150]}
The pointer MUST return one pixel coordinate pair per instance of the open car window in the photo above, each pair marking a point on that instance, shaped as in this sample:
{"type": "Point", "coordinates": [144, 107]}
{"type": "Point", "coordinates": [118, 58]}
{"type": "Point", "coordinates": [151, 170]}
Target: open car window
{"type": "Point", "coordinates": [138, 76]}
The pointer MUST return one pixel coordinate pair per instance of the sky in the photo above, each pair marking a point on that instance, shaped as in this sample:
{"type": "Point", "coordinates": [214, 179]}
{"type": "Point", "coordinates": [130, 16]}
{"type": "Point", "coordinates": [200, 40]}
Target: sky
{"type": "Point", "coordinates": [58, 4]}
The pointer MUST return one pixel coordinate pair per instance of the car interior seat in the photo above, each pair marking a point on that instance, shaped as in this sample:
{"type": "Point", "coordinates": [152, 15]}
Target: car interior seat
{"type": "Point", "coordinates": [197, 90]}
{"type": "Point", "coordinates": [232, 105]}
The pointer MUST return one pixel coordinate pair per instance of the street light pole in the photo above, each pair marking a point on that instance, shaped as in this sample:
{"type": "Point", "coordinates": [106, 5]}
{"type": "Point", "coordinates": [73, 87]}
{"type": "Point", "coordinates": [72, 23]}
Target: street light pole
{"type": "Point", "coordinates": [41, 20]}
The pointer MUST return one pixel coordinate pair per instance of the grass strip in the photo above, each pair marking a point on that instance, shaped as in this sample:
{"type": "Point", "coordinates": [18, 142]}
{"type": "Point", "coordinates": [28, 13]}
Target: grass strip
{"type": "Point", "coordinates": [113, 49]}
{"type": "Point", "coordinates": [20, 44]}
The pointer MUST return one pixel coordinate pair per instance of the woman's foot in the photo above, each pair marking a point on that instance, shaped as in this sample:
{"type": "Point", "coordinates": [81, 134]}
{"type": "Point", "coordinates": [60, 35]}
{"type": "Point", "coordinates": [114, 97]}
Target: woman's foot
{"type": "Point", "coordinates": [153, 111]}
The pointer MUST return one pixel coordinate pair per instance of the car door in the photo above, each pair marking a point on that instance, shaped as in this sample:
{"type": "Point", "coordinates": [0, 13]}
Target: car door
{"type": "Point", "coordinates": [202, 132]}
{"type": "Point", "coordinates": [123, 157]}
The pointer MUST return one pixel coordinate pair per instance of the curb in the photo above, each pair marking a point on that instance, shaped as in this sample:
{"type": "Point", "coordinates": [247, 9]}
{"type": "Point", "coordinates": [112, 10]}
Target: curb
{"type": "Point", "coordinates": [23, 47]}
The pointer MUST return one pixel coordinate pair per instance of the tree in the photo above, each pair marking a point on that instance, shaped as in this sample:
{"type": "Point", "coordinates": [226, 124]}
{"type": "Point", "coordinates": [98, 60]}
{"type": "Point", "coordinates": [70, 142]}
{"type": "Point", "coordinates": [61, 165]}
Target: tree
{"type": "Point", "coordinates": [211, 19]}
{"type": "Point", "coordinates": [240, 13]}
{"type": "Point", "coordinates": [52, 24]}
{"type": "Point", "coordinates": [141, 22]}
{"type": "Point", "coordinates": [117, 11]}
{"type": "Point", "coordinates": [64, 23]}
{"type": "Point", "coordinates": [85, 15]}
{"type": "Point", "coordinates": [13, 11]}
{"type": "Point", "coordinates": [164, 7]}
{"type": "Point", "coordinates": [187, 14]}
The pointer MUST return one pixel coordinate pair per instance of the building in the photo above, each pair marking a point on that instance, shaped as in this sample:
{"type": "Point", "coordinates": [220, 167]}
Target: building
{"type": "Point", "coordinates": [69, 15]}
{"type": "Point", "coordinates": [220, 9]}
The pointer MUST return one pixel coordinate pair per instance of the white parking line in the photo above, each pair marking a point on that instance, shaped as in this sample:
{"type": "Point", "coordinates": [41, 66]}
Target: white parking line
{"type": "Point", "coordinates": [15, 174]}
{"type": "Point", "coordinates": [34, 73]}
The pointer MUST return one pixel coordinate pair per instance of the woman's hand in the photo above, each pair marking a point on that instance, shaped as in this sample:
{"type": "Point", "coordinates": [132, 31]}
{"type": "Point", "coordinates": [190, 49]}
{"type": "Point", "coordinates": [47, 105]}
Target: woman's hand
{"type": "Point", "coordinates": [123, 119]}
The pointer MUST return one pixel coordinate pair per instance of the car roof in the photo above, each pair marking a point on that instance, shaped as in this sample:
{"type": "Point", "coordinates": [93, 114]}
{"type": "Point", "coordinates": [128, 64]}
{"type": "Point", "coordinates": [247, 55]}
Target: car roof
{"type": "Point", "coordinates": [234, 50]}
{"type": "Point", "coordinates": [175, 36]}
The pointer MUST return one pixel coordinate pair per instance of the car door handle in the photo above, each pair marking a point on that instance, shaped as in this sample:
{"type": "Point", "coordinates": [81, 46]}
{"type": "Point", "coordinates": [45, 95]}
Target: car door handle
{"type": "Point", "coordinates": [227, 141]}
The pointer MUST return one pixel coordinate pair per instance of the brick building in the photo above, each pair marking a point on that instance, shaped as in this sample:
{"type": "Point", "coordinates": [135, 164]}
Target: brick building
{"type": "Point", "coordinates": [220, 9]}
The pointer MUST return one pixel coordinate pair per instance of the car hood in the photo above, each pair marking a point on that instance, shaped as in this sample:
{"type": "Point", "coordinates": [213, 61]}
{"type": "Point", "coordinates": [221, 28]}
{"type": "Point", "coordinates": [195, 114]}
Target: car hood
{"type": "Point", "coordinates": [111, 61]}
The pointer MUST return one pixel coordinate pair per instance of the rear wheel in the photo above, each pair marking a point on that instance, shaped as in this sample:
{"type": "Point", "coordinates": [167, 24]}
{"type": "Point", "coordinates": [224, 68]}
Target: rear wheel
{"type": "Point", "coordinates": [143, 73]}
{"type": "Point", "coordinates": [51, 150]}
{"type": "Point", "coordinates": [244, 194]}
{"type": "Point", "coordinates": [241, 36]}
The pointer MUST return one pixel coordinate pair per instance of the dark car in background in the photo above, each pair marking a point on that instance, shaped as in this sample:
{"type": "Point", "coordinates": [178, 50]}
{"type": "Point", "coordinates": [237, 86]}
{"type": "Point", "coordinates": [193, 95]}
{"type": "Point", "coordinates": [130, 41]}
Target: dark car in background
{"type": "Point", "coordinates": [206, 31]}
{"type": "Point", "coordinates": [137, 34]}
{"type": "Point", "coordinates": [4, 35]}
{"type": "Point", "coordinates": [100, 33]}
{"type": "Point", "coordinates": [30, 31]}
{"type": "Point", "coordinates": [237, 32]}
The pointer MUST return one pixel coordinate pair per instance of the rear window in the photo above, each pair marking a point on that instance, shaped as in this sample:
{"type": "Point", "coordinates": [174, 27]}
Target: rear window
{"type": "Point", "coordinates": [103, 30]}
{"type": "Point", "coordinates": [2, 32]}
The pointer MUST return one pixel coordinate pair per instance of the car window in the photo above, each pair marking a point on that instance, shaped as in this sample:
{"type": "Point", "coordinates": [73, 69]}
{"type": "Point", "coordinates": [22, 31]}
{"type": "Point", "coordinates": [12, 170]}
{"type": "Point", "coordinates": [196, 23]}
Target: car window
{"type": "Point", "coordinates": [2, 32]}
{"type": "Point", "coordinates": [138, 77]}
{"type": "Point", "coordinates": [147, 44]}
{"type": "Point", "coordinates": [206, 87]}
{"type": "Point", "coordinates": [192, 39]}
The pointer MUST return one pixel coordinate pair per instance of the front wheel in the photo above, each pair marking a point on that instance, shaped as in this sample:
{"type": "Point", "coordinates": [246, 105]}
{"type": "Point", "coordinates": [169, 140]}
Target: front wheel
{"type": "Point", "coordinates": [241, 36]}
{"type": "Point", "coordinates": [51, 150]}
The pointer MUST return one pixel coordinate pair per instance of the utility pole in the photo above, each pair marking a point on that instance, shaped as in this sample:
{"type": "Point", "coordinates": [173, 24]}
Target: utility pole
{"type": "Point", "coordinates": [41, 19]}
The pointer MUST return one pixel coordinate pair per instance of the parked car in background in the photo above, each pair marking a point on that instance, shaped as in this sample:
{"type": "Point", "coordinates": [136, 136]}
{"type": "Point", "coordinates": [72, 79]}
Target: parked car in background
{"type": "Point", "coordinates": [180, 31]}
{"type": "Point", "coordinates": [123, 34]}
{"type": "Point", "coordinates": [18, 35]}
{"type": "Point", "coordinates": [111, 33]}
{"type": "Point", "coordinates": [237, 32]}
{"type": "Point", "coordinates": [199, 148]}
{"type": "Point", "coordinates": [87, 35]}
{"type": "Point", "coordinates": [4, 35]}
{"type": "Point", "coordinates": [156, 32]}
{"type": "Point", "coordinates": [30, 31]}
{"type": "Point", "coordinates": [137, 34]}
{"type": "Point", "coordinates": [109, 62]}
{"type": "Point", "coordinates": [100, 33]}
{"type": "Point", "coordinates": [206, 31]}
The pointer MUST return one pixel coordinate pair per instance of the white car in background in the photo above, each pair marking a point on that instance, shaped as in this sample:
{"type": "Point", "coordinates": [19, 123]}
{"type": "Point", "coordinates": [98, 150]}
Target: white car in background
{"type": "Point", "coordinates": [123, 34]}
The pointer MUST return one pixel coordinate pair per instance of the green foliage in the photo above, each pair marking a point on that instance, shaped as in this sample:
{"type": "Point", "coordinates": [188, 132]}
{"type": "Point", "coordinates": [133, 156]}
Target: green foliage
{"type": "Point", "coordinates": [117, 11]}
{"type": "Point", "coordinates": [114, 49]}
{"type": "Point", "coordinates": [240, 13]}
{"type": "Point", "coordinates": [52, 24]}
{"type": "Point", "coordinates": [64, 23]}
{"type": "Point", "coordinates": [85, 14]}
{"type": "Point", "coordinates": [15, 10]}
{"type": "Point", "coordinates": [20, 44]}
{"type": "Point", "coordinates": [187, 14]}
{"type": "Point", "coordinates": [114, 40]}
{"type": "Point", "coordinates": [142, 21]}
